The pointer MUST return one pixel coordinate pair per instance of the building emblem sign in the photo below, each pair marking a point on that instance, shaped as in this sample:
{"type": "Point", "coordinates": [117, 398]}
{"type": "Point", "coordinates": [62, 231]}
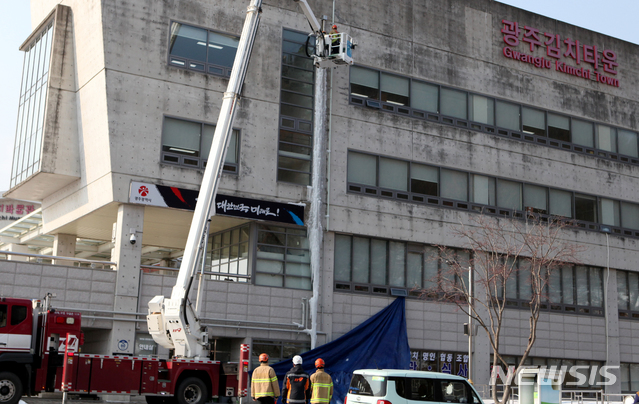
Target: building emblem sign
{"type": "Point", "coordinates": [558, 52]}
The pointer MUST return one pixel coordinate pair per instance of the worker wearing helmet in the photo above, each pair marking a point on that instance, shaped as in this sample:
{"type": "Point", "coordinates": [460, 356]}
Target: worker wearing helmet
{"type": "Point", "coordinates": [322, 384]}
{"type": "Point", "coordinates": [296, 388]}
{"type": "Point", "coordinates": [264, 385]}
{"type": "Point", "coordinates": [335, 39]}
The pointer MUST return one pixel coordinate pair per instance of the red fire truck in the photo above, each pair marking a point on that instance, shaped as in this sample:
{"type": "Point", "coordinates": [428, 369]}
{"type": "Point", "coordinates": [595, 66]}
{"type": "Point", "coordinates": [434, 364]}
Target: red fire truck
{"type": "Point", "coordinates": [34, 339]}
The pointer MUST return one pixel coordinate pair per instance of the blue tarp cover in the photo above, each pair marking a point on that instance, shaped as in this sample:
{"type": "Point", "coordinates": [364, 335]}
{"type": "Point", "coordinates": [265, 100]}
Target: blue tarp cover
{"type": "Point", "coordinates": [381, 342]}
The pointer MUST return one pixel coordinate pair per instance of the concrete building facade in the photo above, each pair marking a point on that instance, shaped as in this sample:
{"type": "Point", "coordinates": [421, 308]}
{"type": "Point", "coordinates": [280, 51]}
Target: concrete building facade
{"type": "Point", "coordinates": [452, 107]}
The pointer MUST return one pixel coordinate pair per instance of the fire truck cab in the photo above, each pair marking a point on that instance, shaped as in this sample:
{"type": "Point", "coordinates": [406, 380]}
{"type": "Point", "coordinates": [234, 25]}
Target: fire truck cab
{"type": "Point", "coordinates": [32, 342]}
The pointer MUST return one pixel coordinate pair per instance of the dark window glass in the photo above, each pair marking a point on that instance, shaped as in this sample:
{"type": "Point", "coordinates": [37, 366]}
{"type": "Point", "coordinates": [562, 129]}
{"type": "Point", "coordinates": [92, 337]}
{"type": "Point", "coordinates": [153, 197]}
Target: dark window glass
{"type": "Point", "coordinates": [424, 179]}
{"type": "Point", "coordinates": [558, 127]}
{"type": "Point", "coordinates": [222, 49]}
{"type": "Point", "coordinates": [364, 82]}
{"type": "Point", "coordinates": [422, 389]}
{"type": "Point", "coordinates": [394, 89]}
{"type": "Point", "coordinates": [586, 208]}
{"type": "Point", "coordinates": [3, 315]}
{"type": "Point", "coordinates": [18, 314]}
{"type": "Point", "coordinates": [368, 385]}
{"type": "Point", "coordinates": [188, 143]}
{"type": "Point", "coordinates": [202, 50]}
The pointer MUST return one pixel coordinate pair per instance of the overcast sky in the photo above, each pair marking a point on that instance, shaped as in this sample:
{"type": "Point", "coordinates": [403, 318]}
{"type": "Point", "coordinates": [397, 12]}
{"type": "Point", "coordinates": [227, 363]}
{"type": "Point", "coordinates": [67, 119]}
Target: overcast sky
{"type": "Point", "coordinates": [617, 18]}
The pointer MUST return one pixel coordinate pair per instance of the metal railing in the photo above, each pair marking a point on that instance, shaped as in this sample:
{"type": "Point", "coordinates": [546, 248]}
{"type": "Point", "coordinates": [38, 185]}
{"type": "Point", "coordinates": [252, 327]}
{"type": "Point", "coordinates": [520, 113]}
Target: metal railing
{"type": "Point", "coordinates": [567, 396]}
{"type": "Point", "coordinates": [39, 258]}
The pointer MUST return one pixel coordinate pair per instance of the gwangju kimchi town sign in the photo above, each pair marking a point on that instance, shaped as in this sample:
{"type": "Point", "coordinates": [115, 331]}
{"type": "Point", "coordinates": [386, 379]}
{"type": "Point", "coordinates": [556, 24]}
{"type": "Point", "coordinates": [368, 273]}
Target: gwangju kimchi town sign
{"type": "Point", "coordinates": [559, 52]}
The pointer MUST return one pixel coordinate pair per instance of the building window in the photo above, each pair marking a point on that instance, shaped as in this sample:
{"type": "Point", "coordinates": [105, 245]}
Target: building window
{"type": "Point", "coordinates": [202, 50]}
{"type": "Point", "coordinates": [419, 183]}
{"type": "Point", "coordinates": [628, 294]}
{"type": "Point", "coordinates": [228, 255]}
{"type": "Point", "coordinates": [390, 93]}
{"type": "Point", "coordinates": [188, 143]}
{"type": "Point", "coordinates": [629, 377]}
{"type": "Point", "coordinates": [374, 266]}
{"type": "Point", "coordinates": [424, 96]}
{"type": "Point", "coordinates": [295, 148]}
{"type": "Point", "coordinates": [277, 351]}
{"type": "Point", "coordinates": [283, 257]}
{"type": "Point", "coordinates": [33, 96]}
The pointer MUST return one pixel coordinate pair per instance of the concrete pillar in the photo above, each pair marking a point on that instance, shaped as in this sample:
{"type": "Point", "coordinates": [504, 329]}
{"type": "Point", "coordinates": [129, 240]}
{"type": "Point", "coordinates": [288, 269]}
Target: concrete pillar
{"type": "Point", "coordinates": [481, 344]}
{"type": "Point", "coordinates": [64, 246]}
{"type": "Point", "coordinates": [127, 284]}
{"type": "Point", "coordinates": [613, 354]}
{"type": "Point", "coordinates": [21, 248]}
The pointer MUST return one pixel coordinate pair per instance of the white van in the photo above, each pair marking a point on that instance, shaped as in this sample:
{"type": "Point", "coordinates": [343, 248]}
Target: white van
{"type": "Point", "coordinates": [392, 386]}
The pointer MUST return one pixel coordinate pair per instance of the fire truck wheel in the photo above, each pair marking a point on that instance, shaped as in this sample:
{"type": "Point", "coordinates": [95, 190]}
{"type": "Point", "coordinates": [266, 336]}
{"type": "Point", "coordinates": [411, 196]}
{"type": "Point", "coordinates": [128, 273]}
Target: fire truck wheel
{"type": "Point", "coordinates": [10, 388]}
{"type": "Point", "coordinates": [192, 390]}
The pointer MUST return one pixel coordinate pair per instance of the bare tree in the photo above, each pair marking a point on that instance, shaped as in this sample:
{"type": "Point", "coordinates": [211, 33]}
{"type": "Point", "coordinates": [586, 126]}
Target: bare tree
{"type": "Point", "coordinates": [502, 249]}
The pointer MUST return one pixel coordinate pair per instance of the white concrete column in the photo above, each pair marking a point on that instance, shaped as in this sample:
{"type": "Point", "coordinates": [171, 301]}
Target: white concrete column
{"type": "Point", "coordinates": [21, 248]}
{"type": "Point", "coordinates": [613, 354]}
{"type": "Point", "coordinates": [64, 246]}
{"type": "Point", "coordinates": [127, 284]}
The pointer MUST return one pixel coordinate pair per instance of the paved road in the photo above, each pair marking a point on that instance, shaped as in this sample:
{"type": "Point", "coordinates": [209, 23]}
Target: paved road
{"type": "Point", "coordinates": [57, 399]}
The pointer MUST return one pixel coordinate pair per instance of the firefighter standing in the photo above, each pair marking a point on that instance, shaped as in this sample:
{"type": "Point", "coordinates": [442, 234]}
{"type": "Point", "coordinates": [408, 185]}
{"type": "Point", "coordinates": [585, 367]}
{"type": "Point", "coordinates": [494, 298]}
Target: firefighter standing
{"type": "Point", "coordinates": [264, 385]}
{"type": "Point", "coordinates": [322, 384]}
{"type": "Point", "coordinates": [296, 388]}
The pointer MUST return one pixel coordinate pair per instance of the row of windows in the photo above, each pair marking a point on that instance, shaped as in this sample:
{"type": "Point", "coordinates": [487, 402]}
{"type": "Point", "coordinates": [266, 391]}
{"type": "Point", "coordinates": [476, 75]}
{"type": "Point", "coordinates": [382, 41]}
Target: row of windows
{"type": "Point", "coordinates": [202, 50]}
{"type": "Point", "coordinates": [591, 377]}
{"type": "Point", "coordinates": [282, 256]}
{"type": "Point", "coordinates": [277, 351]}
{"type": "Point", "coordinates": [188, 143]}
{"type": "Point", "coordinates": [33, 95]}
{"type": "Point", "coordinates": [372, 265]}
{"type": "Point", "coordinates": [628, 294]}
{"type": "Point", "coordinates": [415, 182]}
{"type": "Point", "coordinates": [227, 254]}
{"type": "Point", "coordinates": [295, 146]}
{"type": "Point", "coordinates": [419, 99]}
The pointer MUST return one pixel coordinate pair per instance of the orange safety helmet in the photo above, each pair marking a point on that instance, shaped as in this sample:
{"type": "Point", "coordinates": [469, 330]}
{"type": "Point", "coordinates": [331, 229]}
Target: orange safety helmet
{"type": "Point", "coordinates": [263, 357]}
{"type": "Point", "coordinates": [319, 363]}
{"type": "Point", "coordinates": [334, 27]}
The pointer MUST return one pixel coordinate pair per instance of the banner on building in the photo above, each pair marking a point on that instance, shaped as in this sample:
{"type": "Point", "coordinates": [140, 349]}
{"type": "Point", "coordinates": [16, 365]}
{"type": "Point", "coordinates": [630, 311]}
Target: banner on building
{"type": "Point", "coordinates": [179, 198]}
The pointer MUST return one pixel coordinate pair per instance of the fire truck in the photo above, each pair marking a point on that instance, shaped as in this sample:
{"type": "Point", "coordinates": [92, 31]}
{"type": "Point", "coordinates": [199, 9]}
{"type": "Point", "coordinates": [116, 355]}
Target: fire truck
{"type": "Point", "coordinates": [39, 345]}
{"type": "Point", "coordinates": [39, 352]}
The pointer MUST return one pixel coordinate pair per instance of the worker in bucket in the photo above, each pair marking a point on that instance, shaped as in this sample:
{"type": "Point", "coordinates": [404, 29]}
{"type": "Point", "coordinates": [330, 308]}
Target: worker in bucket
{"type": "Point", "coordinates": [322, 384]}
{"type": "Point", "coordinates": [296, 388]}
{"type": "Point", "coordinates": [335, 39]}
{"type": "Point", "coordinates": [264, 385]}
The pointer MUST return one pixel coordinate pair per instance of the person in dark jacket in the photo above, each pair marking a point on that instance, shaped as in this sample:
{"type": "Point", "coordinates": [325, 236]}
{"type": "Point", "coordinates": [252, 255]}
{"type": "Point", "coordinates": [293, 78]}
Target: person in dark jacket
{"type": "Point", "coordinates": [296, 388]}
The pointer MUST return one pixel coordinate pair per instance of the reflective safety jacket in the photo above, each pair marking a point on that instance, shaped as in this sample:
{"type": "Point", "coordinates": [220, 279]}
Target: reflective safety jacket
{"type": "Point", "coordinates": [264, 382]}
{"type": "Point", "coordinates": [322, 385]}
{"type": "Point", "coordinates": [296, 388]}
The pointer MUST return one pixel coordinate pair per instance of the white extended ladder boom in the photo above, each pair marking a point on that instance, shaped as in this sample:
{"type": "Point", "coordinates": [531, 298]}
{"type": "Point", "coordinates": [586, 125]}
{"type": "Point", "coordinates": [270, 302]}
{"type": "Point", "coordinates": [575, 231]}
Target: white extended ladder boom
{"type": "Point", "coordinates": [173, 322]}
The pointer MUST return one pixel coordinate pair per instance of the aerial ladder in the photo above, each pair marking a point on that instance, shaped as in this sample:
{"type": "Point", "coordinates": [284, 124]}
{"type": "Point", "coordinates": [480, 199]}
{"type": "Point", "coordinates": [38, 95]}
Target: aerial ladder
{"type": "Point", "coordinates": [173, 322]}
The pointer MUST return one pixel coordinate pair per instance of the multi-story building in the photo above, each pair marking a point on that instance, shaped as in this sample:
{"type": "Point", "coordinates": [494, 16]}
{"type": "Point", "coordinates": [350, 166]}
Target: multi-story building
{"type": "Point", "coordinates": [452, 107]}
